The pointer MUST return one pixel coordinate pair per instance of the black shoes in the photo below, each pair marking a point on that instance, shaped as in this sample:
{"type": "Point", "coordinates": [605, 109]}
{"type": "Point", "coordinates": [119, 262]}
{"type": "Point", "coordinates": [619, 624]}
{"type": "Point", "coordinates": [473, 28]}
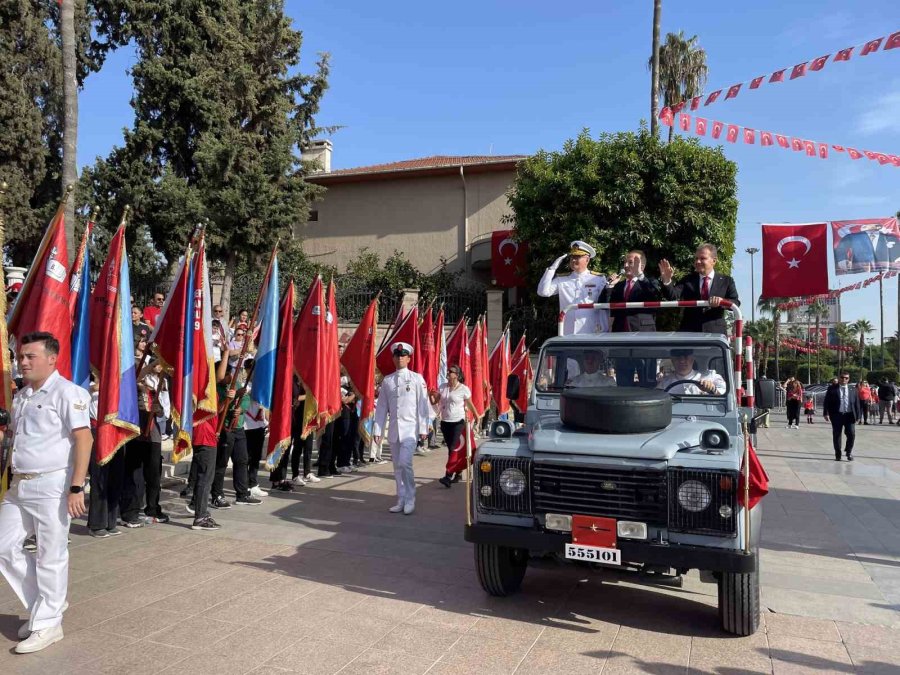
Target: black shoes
{"type": "Point", "coordinates": [249, 500]}
{"type": "Point", "coordinates": [187, 493]}
{"type": "Point", "coordinates": [205, 524]}
{"type": "Point", "coordinates": [849, 458]}
{"type": "Point", "coordinates": [445, 481]}
{"type": "Point", "coordinates": [220, 503]}
{"type": "Point", "coordinates": [457, 477]}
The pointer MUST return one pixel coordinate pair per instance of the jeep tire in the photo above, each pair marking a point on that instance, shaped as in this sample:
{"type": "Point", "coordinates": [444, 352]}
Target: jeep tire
{"type": "Point", "coordinates": [500, 568]}
{"type": "Point", "coordinates": [739, 602]}
{"type": "Point", "coordinates": [616, 410]}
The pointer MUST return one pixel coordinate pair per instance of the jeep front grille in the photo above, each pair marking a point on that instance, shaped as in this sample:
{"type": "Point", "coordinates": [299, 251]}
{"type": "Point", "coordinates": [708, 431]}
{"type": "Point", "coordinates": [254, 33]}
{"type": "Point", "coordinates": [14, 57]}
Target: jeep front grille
{"type": "Point", "coordinates": [723, 491]}
{"type": "Point", "coordinates": [624, 494]}
{"type": "Point", "coordinates": [498, 501]}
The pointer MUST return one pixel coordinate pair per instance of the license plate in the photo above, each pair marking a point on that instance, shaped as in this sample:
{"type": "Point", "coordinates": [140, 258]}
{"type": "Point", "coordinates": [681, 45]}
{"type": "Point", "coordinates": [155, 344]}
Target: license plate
{"type": "Point", "coordinates": [599, 554]}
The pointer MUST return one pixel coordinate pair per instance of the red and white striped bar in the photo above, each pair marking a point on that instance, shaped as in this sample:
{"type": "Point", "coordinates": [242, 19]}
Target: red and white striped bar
{"type": "Point", "coordinates": [740, 367]}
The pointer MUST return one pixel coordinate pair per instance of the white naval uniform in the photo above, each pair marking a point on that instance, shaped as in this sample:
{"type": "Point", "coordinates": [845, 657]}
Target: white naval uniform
{"type": "Point", "coordinates": [404, 396]}
{"type": "Point", "coordinates": [577, 288]}
{"type": "Point", "coordinates": [692, 389]}
{"type": "Point", "coordinates": [43, 446]}
{"type": "Point", "coordinates": [596, 379]}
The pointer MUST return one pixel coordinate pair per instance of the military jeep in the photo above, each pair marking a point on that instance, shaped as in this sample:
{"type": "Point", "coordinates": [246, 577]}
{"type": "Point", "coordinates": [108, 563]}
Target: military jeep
{"type": "Point", "coordinates": [628, 458]}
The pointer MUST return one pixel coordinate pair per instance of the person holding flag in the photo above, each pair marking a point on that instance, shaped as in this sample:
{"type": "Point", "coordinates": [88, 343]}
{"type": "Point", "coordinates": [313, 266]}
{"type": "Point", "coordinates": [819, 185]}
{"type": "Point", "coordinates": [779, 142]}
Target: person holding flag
{"type": "Point", "coordinates": [455, 400]}
{"type": "Point", "coordinates": [404, 396]}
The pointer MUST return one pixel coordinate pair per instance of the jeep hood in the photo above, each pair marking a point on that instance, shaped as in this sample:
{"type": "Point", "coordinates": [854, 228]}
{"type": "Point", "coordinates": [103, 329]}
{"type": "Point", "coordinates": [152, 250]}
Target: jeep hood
{"type": "Point", "coordinates": [550, 436]}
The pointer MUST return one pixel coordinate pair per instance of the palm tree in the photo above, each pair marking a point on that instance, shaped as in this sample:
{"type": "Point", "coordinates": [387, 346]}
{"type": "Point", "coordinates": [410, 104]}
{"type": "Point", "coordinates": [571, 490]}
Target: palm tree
{"type": "Point", "coordinates": [817, 309]}
{"type": "Point", "coordinates": [654, 69]}
{"type": "Point", "coordinates": [763, 332]}
{"type": "Point", "coordinates": [845, 335]}
{"type": "Point", "coordinates": [682, 70]}
{"type": "Point", "coordinates": [862, 327]}
{"type": "Point", "coordinates": [770, 305]}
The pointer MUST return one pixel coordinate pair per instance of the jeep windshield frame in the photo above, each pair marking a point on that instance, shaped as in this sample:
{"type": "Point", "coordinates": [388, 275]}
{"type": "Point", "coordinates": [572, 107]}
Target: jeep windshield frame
{"type": "Point", "coordinates": [649, 365]}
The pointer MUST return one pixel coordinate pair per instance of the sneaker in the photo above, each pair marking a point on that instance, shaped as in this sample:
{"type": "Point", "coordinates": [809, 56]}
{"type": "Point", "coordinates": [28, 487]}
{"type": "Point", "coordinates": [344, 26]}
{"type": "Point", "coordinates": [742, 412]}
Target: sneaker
{"type": "Point", "coordinates": [114, 532]}
{"type": "Point", "coordinates": [161, 518]}
{"type": "Point", "coordinates": [381, 461]}
{"type": "Point", "coordinates": [298, 480]}
{"type": "Point", "coordinates": [312, 478]}
{"type": "Point", "coordinates": [257, 491]}
{"type": "Point", "coordinates": [205, 524]}
{"type": "Point", "coordinates": [420, 452]}
{"type": "Point", "coordinates": [353, 468]}
{"type": "Point", "coordinates": [131, 524]}
{"type": "Point", "coordinates": [40, 639]}
{"type": "Point", "coordinates": [99, 534]}
{"type": "Point", "coordinates": [445, 481]}
{"type": "Point", "coordinates": [396, 508]}
{"type": "Point", "coordinates": [189, 508]}
{"type": "Point", "coordinates": [344, 469]}
{"type": "Point", "coordinates": [408, 508]}
{"type": "Point", "coordinates": [187, 493]}
{"type": "Point", "coordinates": [249, 500]}
{"type": "Point", "coordinates": [220, 503]}
{"type": "Point", "coordinates": [284, 486]}
{"type": "Point", "coordinates": [30, 544]}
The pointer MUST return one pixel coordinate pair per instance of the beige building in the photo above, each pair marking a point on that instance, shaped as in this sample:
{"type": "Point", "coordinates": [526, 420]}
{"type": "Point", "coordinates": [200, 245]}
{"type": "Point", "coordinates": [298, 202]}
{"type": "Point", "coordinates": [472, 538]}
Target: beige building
{"type": "Point", "coordinates": [432, 208]}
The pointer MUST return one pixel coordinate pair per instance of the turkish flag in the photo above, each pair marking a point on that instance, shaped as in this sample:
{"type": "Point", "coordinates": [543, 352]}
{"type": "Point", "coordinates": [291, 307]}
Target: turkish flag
{"type": "Point", "coordinates": [428, 356]}
{"type": "Point", "coordinates": [684, 121]}
{"type": "Point", "coordinates": [499, 361]}
{"type": "Point", "coordinates": [798, 71]}
{"type": "Point", "coordinates": [810, 148]}
{"type": "Point", "coordinates": [777, 76]}
{"type": "Point", "coordinates": [733, 91]}
{"type": "Point", "coordinates": [854, 153]}
{"type": "Point", "coordinates": [701, 126]}
{"type": "Point", "coordinates": [521, 367]}
{"type": "Point", "coordinates": [871, 46]}
{"type": "Point", "coordinates": [476, 382]}
{"type": "Point", "coordinates": [509, 258]}
{"type": "Point", "coordinates": [756, 81]}
{"type": "Point", "coordinates": [749, 136]}
{"type": "Point", "coordinates": [458, 349]}
{"type": "Point", "coordinates": [895, 160]}
{"type": "Point", "coordinates": [844, 54]}
{"type": "Point", "coordinates": [893, 41]}
{"type": "Point", "coordinates": [407, 331]}
{"type": "Point", "coordinates": [717, 129]}
{"type": "Point", "coordinates": [695, 102]}
{"type": "Point", "coordinates": [713, 96]}
{"type": "Point", "coordinates": [869, 154]}
{"type": "Point", "coordinates": [838, 148]}
{"type": "Point", "coordinates": [765, 138]}
{"type": "Point", "coordinates": [823, 150]}
{"type": "Point", "coordinates": [796, 144]}
{"type": "Point", "coordinates": [665, 116]}
{"type": "Point", "coordinates": [795, 260]}
{"type": "Point", "coordinates": [759, 480]}
{"type": "Point", "coordinates": [819, 63]}
{"type": "Point", "coordinates": [456, 461]}
{"type": "Point", "coordinates": [732, 134]}
{"type": "Point", "coordinates": [782, 141]}
{"type": "Point", "coordinates": [310, 357]}
{"type": "Point", "coordinates": [331, 367]}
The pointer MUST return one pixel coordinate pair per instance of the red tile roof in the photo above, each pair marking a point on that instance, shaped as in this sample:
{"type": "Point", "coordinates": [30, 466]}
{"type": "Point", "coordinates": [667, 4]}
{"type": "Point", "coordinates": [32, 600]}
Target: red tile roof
{"type": "Point", "coordinates": [424, 164]}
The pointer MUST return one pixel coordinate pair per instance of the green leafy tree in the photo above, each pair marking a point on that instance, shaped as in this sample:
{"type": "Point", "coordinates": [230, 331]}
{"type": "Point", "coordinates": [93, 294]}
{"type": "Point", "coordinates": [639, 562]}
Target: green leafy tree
{"type": "Point", "coordinates": [682, 70]}
{"type": "Point", "coordinates": [770, 306]}
{"type": "Point", "coordinates": [625, 191]}
{"type": "Point", "coordinates": [221, 113]}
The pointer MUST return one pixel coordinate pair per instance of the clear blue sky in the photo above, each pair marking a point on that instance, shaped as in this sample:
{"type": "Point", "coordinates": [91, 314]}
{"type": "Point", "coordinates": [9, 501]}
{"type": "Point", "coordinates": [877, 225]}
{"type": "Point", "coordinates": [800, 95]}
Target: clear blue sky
{"type": "Point", "coordinates": [412, 79]}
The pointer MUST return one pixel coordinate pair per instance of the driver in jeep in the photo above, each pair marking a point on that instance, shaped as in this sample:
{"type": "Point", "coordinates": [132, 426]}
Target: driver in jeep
{"type": "Point", "coordinates": [685, 369]}
{"type": "Point", "coordinates": [592, 376]}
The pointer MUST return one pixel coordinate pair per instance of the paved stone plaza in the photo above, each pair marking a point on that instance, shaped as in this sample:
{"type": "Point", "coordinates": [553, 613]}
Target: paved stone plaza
{"type": "Point", "coordinates": [325, 580]}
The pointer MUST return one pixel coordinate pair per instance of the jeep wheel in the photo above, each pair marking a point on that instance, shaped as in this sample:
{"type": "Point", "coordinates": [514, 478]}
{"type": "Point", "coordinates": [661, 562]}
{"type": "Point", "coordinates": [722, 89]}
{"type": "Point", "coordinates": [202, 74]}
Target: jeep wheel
{"type": "Point", "coordinates": [500, 568]}
{"type": "Point", "coordinates": [739, 602]}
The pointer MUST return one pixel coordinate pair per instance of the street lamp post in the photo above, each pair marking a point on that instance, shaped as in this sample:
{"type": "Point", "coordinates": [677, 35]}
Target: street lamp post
{"type": "Point", "coordinates": [752, 251]}
{"type": "Point", "coordinates": [870, 342]}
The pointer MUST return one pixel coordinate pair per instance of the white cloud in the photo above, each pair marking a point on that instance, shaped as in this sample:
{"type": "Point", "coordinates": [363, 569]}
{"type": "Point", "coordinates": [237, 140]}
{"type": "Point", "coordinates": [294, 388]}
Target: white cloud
{"type": "Point", "coordinates": [883, 116]}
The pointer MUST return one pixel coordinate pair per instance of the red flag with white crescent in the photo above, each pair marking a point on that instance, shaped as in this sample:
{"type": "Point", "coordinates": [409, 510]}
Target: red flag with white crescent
{"type": "Point", "coordinates": [509, 259]}
{"type": "Point", "coordinates": [795, 260]}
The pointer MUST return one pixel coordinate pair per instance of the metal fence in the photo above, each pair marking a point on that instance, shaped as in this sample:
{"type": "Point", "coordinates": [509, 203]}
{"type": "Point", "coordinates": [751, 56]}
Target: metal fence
{"type": "Point", "coordinates": [470, 300]}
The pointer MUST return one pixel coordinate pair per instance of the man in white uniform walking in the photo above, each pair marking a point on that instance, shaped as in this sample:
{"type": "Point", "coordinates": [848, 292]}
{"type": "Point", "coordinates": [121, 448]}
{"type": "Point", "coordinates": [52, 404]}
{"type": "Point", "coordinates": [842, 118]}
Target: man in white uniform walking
{"type": "Point", "coordinates": [51, 448]}
{"type": "Point", "coordinates": [581, 286]}
{"type": "Point", "coordinates": [404, 396]}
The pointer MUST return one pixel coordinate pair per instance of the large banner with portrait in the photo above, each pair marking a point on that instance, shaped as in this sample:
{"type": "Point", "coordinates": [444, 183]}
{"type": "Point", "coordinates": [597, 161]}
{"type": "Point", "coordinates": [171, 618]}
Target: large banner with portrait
{"type": "Point", "coordinates": [867, 245]}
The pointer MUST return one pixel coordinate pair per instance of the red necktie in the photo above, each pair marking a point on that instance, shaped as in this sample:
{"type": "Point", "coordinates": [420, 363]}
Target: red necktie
{"type": "Point", "coordinates": [704, 290]}
{"type": "Point", "coordinates": [628, 288]}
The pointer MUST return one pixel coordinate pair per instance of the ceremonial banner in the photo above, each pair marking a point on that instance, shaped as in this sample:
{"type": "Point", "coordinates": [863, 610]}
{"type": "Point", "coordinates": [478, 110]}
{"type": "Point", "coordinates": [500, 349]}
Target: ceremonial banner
{"type": "Point", "coordinates": [456, 462]}
{"type": "Point", "coordinates": [309, 357]}
{"type": "Point", "coordinates": [795, 260]}
{"type": "Point", "coordinates": [521, 367]}
{"type": "Point", "coordinates": [476, 382]}
{"type": "Point", "coordinates": [43, 302]}
{"type": "Point", "coordinates": [868, 245]}
{"type": "Point", "coordinates": [509, 259]}
{"type": "Point", "coordinates": [457, 343]}
{"type": "Point", "coordinates": [282, 394]}
{"type": "Point", "coordinates": [79, 306]}
{"type": "Point", "coordinates": [407, 330]}
{"type": "Point", "coordinates": [262, 385]}
{"type": "Point", "coordinates": [428, 357]}
{"type": "Point", "coordinates": [112, 353]}
{"type": "Point", "coordinates": [499, 366]}
{"type": "Point", "coordinates": [759, 480]}
{"type": "Point", "coordinates": [332, 364]}
{"type": "Point", "coordinates": [440, 342]}
{"type": "Point", "coordinates": [485, 363]}
{"type": "Point", "coordinates": [358, 360]}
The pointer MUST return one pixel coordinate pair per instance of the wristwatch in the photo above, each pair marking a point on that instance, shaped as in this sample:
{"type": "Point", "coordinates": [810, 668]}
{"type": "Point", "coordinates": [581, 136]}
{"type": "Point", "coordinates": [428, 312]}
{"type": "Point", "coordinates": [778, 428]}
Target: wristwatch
{"type": "Point", "coordinates": [76, 489]}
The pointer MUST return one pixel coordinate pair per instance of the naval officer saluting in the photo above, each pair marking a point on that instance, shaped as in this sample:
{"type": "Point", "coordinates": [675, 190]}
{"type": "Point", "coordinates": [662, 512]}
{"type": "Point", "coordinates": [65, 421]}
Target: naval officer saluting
{"type": "Point", "coordinates": [403, 394]}
{"type": "Point", "coordinates": [51, 448]}
{"type": "Point", "coordinates": [581, 286]}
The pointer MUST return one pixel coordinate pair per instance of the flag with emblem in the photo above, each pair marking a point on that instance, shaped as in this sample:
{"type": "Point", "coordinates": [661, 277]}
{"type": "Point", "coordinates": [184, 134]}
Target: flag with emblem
{"type": "Point", "coordinates": [759, 479]}
{"type": "Point", "coordinates": [358, 360]}
{"type": "Point", "coordinates": [112, 353]}
{"type": "Point", "coordinates": [456, 461]}
{"type": "Point", "coordinates": [476, 381]}
{"type": "Point", "coordinates": [332, 365]}
{"type": "Point", "coordinates": [428, 356]}
{"type": "Point", "coordinates": [79, 306]}
{"type": "Point", "coordinates": [521, 368]}
{"type": "Point", "coordinates": [509, 259]}
{"type": "Point", "coordinates": [407, 330]}
{"type": "Point", "coordinates": [263, 382]}
{"type": "Point", "coordinates": [309, 356]}
{"type": "Point", "coordinates": [499, 366]}
{"type": "Point", "coordinates": [795, 260]}
{"type": "Point", "coordinates": [283, 380]}
{"type": "Point", "coordinates": [440, 342]}
{"type": "Point", "coordinates": [458, 338]}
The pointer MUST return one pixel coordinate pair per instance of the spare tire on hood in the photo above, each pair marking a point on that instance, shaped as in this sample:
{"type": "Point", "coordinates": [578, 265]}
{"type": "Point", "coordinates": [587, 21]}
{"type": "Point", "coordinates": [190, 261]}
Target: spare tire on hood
{"type": "Point", "coordinates": [616, 410]}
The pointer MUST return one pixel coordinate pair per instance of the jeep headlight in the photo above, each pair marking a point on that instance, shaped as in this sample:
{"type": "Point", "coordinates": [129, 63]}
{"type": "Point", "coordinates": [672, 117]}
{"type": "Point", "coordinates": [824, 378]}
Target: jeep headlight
{"type": "Point", "coordinates": [693, 496]}
{"type": "Point", "coordinates": [512, 482]}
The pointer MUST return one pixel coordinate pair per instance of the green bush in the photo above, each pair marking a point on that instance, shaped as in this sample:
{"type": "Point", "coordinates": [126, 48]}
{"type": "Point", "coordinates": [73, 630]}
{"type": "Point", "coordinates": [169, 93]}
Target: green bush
{"type": "Point", "coordinates": [875, 376]}
{"type": "Point", "coordinates": [818, 375]}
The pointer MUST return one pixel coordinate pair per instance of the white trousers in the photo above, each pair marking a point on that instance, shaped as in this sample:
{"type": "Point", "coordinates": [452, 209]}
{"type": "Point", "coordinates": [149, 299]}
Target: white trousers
{"type": "Point", "coordinates": [38, 506]}
{"type": "Point", "coordinates": [402, 456]}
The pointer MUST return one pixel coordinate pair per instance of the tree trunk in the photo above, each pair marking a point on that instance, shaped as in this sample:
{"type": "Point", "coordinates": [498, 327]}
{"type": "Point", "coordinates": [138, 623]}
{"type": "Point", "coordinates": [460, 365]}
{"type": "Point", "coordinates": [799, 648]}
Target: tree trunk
{"type": "Point", "coordinates": [654, 70]}
{"type": "Point", "coordinates": [227, 282]}
{"type": "Point", "coordinates": [818, 349]}
{"type": "Point", "coordinates": [70, 114]}
{"type": "Point", "coordinates": [777, 344]}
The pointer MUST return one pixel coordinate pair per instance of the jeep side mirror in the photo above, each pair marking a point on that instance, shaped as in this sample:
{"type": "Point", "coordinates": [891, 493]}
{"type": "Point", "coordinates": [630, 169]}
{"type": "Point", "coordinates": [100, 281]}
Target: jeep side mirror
{"type": "Point", "coordinates": [765, 393]}
{"type": "Point", "coordinates": [512, 387]}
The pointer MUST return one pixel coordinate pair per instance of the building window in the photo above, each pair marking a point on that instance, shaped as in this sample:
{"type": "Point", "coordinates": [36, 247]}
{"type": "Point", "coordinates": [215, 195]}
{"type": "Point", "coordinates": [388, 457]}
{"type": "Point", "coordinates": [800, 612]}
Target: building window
{"type": "Point", "coordinates": [313, 217]}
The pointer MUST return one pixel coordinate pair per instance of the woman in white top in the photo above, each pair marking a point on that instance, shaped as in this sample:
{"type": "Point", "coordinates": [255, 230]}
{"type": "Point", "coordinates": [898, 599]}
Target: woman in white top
{"type": "Point", "coordinates": [454, 398]}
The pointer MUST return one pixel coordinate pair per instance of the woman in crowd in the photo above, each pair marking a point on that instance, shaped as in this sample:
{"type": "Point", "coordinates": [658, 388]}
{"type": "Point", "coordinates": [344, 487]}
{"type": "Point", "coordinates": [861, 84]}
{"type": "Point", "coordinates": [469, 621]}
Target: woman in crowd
{"type": "Point", "coordinates": [454, 398]}
{"type": "Point", "coordinates": [794, 394]}
{"type": "Point", "coordinates": [865, 399]}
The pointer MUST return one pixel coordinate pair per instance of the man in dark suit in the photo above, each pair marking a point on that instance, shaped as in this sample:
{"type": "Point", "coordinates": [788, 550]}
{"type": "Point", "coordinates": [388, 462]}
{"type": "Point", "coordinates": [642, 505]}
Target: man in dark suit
{"type": "Point", "coordinates": [842, 408]}
{"type": "Point", "coordinates": [633, 287]}
{"type": "Point", "coordinates": [703, 284]}
{"type": "Point", "coordinates": [871, 249]}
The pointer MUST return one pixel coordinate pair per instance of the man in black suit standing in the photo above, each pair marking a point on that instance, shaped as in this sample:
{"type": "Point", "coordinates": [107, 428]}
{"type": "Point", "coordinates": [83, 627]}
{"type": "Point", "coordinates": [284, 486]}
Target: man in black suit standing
{"type": "Point", "coordinates": [704, 284]}
{"type": "Point", "coordinates": [842, 408]}
{"type": "Point", "coordinates": [633, 287]}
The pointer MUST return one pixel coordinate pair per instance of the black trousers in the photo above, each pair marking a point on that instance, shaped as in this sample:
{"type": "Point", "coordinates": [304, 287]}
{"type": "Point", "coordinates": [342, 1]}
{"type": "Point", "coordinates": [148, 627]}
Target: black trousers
{"type": "Point", "coordinates": [203, 470]}
{"type": "Point", "coordinates": [346, 432]}
{"type": "Point", "coordinates": [451, 431]}
{"type": "Point", "coordinates": [255, 440]}
{"type": "Point", "coordinates": [327, 458]}
{"type": "Point", "coordinates": [233, 446]}
{"type": "Point", "coordinates": [143, 470]}
{"type": "Point", "coordinates": [865, 411]}
{"type": "Point", "coordinates": [843, 423]}
{"type": "Point", "coordinates": [106, 490]}
{"type": "Point", "coordinates": [793, 411]}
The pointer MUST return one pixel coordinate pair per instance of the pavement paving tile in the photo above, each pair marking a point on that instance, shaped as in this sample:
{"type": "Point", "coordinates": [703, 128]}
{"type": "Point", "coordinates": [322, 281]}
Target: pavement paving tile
{"type": "Point", "coordinates": [475, 654]}
{"type": "Point", "coordinates": [354, 628]}
{"type": "Point", "coordinates": [873, 637]}
{"type": "Point", "coordinates": [428, 641]}
{"type": "Point", "coordinates": [380, 662]}
{"type": "Point", "coordinates": [787, 625]}
{"type": "Point", "coordinates": [539, 661]}
{"type": "Point", "coordinates": [636, 648]}
{"type": "Point", "coordinates": [791, 654]}
{"type": "Point", "coordinates": [315, 657]}
{"type": "Point", "coordinates": [140, 623]}
{"type": "Point", "coordinates": [497, 628]}
{"type": "Point", "coordinates": [137, 658]}
{"type": "Point", "coordinates": [75, 649]}
{"type": "Point", "coordinates": [184, 634]}
{"type": "Point", "coordinates": [390, 608]}
{"type": "Point", "coordinates": [873, 661]}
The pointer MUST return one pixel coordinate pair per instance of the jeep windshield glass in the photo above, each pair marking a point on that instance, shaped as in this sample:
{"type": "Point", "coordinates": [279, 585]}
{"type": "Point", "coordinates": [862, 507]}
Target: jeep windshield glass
{"type": "Point", "coordinates": [682, 369]}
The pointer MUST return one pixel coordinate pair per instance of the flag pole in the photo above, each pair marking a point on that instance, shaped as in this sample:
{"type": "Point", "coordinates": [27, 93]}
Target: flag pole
{"type": "Point", "coordinates": [746, 471]}
{"type": "Point", "coordinates": [468, 434]}
{"type": "Point", "coordinates": [246, 343]}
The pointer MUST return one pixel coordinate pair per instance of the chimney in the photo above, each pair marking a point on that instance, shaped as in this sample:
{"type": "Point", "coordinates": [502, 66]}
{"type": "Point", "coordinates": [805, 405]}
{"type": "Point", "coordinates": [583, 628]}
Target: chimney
{"type": "Point", "coordinates": [319, 151]}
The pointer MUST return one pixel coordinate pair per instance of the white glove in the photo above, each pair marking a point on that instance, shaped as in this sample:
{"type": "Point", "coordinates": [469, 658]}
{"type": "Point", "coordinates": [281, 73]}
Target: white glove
{"type": "Point", "coordinates": [558, 261]}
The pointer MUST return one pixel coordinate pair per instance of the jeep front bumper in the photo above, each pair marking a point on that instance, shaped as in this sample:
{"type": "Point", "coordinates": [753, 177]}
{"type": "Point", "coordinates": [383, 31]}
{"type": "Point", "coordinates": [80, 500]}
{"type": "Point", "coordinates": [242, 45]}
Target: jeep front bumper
{"type": "Point", "coordinates": [679, 556]}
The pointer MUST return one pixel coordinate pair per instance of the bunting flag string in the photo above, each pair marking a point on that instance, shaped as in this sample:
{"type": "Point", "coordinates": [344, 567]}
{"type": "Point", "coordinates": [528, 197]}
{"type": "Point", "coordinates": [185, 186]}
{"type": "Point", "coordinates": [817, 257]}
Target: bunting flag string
{"type": "Point", "coordinates": [813, 347]}
{"type": "Point", "coordinates": [802, 302]}
{"type": "Point", "coordinates": [789, 73]}
{"type": "Point", "coordinates": [733, 132]}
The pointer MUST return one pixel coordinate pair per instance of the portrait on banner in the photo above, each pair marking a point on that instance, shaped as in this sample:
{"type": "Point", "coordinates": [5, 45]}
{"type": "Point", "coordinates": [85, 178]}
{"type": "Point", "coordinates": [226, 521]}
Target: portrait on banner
{"type": "Point", "coordinates": [868, 245]}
